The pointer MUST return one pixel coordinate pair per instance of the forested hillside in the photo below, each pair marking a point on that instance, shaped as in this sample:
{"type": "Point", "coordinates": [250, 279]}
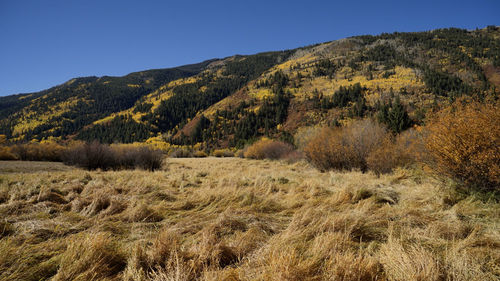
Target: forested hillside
{"type": "Point", "coordinates": [395, 78]}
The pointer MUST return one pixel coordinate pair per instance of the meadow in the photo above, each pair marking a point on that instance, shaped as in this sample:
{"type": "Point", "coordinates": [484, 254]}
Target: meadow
{"type": "Point", "coordinates": [241, 219]}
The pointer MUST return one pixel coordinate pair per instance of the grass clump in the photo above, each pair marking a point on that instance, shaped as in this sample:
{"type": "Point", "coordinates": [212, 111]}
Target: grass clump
{"type": "Point", "coordinates": [95, 256]}
{"type": "Point", "coordinates": [6, 229]}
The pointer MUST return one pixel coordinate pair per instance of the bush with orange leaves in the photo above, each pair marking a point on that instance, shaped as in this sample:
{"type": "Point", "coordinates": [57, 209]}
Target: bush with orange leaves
{"type": "Point", "coordinates": [402, 150]}
{"type": "Point", "coordinates": [34, 151]}
{"type": "Point", "coordinates": [268, 149]}
{"type": "Point", "coordinates": [6, 153]}
{"type": "Point", "coordinates": [345, 148]}
{"type": "Point", "coordinates": [464, 143]}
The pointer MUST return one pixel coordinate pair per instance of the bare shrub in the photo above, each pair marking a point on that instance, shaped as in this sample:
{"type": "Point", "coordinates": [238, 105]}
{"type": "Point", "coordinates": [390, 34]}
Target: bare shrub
{"type": "Point", "coordinates": [126, 156]}
{"type": "Point", "coordinates": [345, 148]}
{"type": "Point", "coordinates": [148, 159]}
{"type": "Point", "coordinates": [464, 143]}
{"type": "Point", "coordinates": [304, 135]}
{"type": "Point", "coordinates": [100, 156]}
{"type": "Point", "coordinates": [92, 156]}
{"type": "Point", "coordinates": [294, 156]}
{"type": "Point", "coordinates": [181, 153]}
{"type": "Point", "coordinates": [268, 149]}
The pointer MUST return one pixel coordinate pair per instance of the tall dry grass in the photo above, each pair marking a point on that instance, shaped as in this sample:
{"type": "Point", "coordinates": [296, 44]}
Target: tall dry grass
{"type": "Point", "coordinates": [264, 220]}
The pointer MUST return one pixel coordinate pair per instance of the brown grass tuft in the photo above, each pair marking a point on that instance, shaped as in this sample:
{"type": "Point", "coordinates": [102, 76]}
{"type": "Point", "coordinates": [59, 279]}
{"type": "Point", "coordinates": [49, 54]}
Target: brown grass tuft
{"type": "Point", "coordinates": [6, 229]}
{"type": "Point", "coordinates": [94, 257]}
{"type": "Point", "coordinates": [142, 212]}
{"type": "Point", "coordinates": [411, 263]}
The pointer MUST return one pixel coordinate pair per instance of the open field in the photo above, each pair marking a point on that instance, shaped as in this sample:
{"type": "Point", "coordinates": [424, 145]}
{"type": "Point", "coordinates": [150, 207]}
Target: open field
{"type": "Point", "coordinates": [31, 167]}
{"type": "Point", "coordinates": [239, 219]}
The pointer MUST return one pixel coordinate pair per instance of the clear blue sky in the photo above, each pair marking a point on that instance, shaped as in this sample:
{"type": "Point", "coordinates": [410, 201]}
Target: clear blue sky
{"type": "Point", "coordinates": [46, 42]}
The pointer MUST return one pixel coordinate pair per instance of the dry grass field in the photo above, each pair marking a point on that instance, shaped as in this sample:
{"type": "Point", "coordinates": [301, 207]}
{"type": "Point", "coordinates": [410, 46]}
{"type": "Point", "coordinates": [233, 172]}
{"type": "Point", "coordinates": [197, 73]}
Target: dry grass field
{"type": "Point", "coordinates": [239, 219]}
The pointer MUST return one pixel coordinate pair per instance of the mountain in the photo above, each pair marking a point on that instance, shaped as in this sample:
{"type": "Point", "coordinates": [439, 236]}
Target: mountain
{"type": "Point", "coordinates": [395, 78]}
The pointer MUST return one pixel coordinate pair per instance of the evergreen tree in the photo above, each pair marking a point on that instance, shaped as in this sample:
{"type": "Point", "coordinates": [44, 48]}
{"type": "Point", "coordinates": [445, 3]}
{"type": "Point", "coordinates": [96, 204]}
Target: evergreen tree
{"type": "Point", "coordinates": [394, 115]}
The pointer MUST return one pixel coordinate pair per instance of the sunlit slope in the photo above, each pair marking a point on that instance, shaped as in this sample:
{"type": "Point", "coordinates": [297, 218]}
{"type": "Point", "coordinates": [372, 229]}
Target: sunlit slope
{"type": "Point", "coordinates": [65, 109]}
{"type": "Point", "coordinates": [243, 97]}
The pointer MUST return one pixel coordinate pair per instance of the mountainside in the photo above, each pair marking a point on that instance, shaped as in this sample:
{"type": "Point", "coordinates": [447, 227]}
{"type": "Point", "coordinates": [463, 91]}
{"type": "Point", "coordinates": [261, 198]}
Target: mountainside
{"type": "Point", "coordinates": [395, 78]}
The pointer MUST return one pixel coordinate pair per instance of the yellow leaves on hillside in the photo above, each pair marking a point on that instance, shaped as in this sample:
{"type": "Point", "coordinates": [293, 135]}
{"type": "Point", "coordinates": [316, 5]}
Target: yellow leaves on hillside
{"type": "Point", "coordinates": [155, 98]}
{"type": "Point", "coordinates": [25, 97]}
{"type": "Point", "coordinates": [403, 78]}
{"type": "Point", "coordinates": [260, 93]}
{"type": "Point", "coordinates": [133, 86]}
{"type": "Point", "coordinates": [289, 64]}
{"type": "Point", "coordinates": [182, 81]}
{"type": "Point", "coordinates": [107, 118]}
{"type": "Point", "coordinates": [31, 117]}
{"type": "Point", "coordinates": [158, 142]}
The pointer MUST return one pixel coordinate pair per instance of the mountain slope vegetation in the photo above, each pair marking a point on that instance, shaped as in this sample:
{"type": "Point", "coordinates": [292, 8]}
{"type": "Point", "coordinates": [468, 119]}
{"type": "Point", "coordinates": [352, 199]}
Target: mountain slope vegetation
{"type": "Point", "coordinates": [229, 102]}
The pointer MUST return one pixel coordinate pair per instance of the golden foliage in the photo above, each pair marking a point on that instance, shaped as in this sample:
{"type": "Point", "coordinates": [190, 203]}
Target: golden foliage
{"type": "Point", "coordinates": [401, 151]}
{"type": "Point", "coordinates": [6, 153]}
{"type": "Point", "coordinates": [223, 153]}
{"type": "Point", "coordinates": [464, 143]}
{"type": "Point", "coordinates": [268, 149]}
{"type": "Point", "coordinates": [347, 147]}
{"type": "Point", "coordinates": [34, 151]}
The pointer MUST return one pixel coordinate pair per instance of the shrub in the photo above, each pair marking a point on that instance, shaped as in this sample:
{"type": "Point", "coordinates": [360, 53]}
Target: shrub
{"type": "Point", "coordinates": [304, 135]}
{"type": "Point", "coordinates": [100, 156]}
{"type": "Point", "coordinates": [148, 159]}
{"type": "Point", "coordinates": [181, 153]}
{"type": "Point", "coordinates": [400, 151]}
{"type": "Point", "coordinates": [464, 143]}
{"type": "Point", "coordinates": [223, 153]}
{"type": "Point", "coordinates": [268, 149]}
{"type": "Point", "coordinates": [6, 153]}
{"type": "Point", "coordinates": [92, 156]}
{"type": "Point", "coordinates": [200, 154]}
{"type": "Point", "coordinates": [45, 151]}
{"type": "Point", "coordinates": [294, 157]}
{"type": "Point", "coordinates": [347, 147]}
